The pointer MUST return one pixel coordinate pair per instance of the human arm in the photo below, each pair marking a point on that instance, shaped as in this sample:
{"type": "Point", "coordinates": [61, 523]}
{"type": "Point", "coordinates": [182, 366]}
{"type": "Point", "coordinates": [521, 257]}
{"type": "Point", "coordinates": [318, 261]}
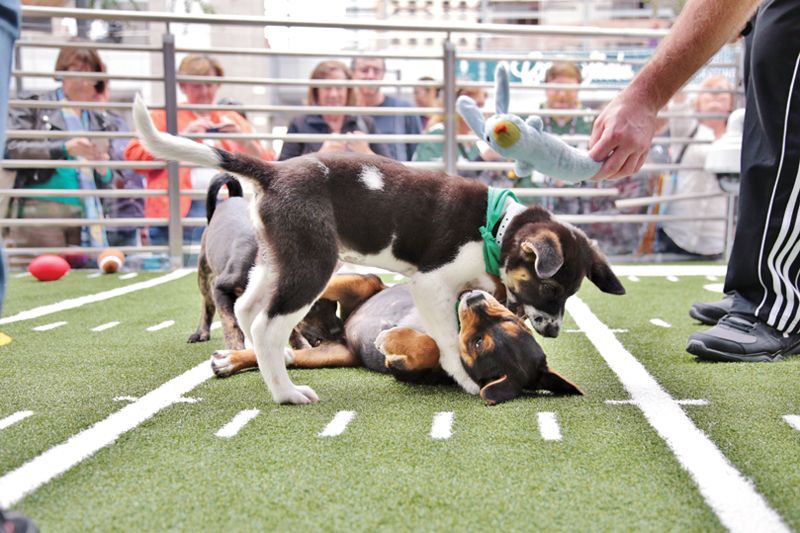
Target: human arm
{"type": "Point", "coordinates": [624, 129]}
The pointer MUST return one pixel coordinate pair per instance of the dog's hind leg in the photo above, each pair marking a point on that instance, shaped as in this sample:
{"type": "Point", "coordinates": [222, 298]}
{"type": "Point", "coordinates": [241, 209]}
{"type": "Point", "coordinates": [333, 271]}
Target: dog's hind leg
{"type": "Point", "coordinates": [203, 332]}
{"type": "Point", "coordinates": [225, 294]}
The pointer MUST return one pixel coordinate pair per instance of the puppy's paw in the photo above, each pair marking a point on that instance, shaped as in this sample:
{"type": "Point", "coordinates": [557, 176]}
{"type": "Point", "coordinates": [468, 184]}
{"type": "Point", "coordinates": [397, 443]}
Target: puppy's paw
{"type": "Point", "coordinates": [383, 342]}
{"type": "Point", "coordinates": [222, 364]}
{"type": "Point", "coordinates": [396, 362]}
{"type": "Point", "coordinates": [471, 387]}
{"type": "Point", "coordinates": [296, 394]}
{"type": "Point", "coordinates": [288, 356]}
{"type": "Point", "coordinates": [199, 336]}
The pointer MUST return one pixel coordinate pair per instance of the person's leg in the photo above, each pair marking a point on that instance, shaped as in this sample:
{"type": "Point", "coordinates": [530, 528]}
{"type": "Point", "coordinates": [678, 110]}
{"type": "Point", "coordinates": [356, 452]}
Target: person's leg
{"type": "Point", "coordinates": [8, 34]}
{"type": "Point", "coordinates": [764, 265]}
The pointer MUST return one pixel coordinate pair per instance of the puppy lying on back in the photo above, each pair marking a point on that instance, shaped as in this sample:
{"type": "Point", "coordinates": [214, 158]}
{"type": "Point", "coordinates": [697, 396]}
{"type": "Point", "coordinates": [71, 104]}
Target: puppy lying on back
{"type": "Point", "coordinates": [227, 253]}
{"type": "Point", "coordinates": [385, 334]}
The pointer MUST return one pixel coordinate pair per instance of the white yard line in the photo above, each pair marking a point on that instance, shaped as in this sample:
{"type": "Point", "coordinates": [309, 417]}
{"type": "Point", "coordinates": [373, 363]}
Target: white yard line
{"type": "Point", "coordinates": [13, 419]}
{"type": "Point", "coordinates": [22, 275]}
{"type": "Point", "coordinates": [679, 402]}
{"type": "Point", "coordinates": [442, 427]}
{"type": "Point", "coordinates": [94, 275]}
{"type": "Point", "coordinates": [660, 323]}
{"type": "Point", "coordinates": [93, 298]}
{"type": "Point", "coordinates": [215, 325]}
{"type": "Point", "coordinates": [673, 279]}
{"type": "Point", "coordinates": [162, 325]}
{"type": "Point", "coordinates": [715, 287]}
{"type": "Point", "coordinates": [48, 327]}
{"type": "Point", "coordinates": [668, 270]}
{"type": "Point", "coordinates": [239, 421]}
{"type": "Point", "coordinates": [732, 497]}
{"type": "Point", "coordinates": [793, 420]}
{"type": "Point", "coordinates": [129, 275]}
{"type": "Point", "coordinates": [107, 325]}
{"type": "Point", "coordinates": [634, 279]}
{"type": "Point", "coordinates": [338, 424]}
{"type": "Point", "coordinates": [548, 426]}
{"type": "Point", "coordinates": [57, 460]}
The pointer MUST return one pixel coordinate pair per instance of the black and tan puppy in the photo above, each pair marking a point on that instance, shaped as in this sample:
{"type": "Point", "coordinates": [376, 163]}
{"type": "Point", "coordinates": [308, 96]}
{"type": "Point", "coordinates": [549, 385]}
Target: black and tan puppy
{"type": "Point", "coordinates": [227, 253]}
{"type": "Point", "coordinates": [385, 334]}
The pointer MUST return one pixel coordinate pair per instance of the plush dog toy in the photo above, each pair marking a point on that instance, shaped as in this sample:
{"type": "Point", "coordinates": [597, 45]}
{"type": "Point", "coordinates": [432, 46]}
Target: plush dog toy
{"type": "Point", "coordinates": [524, 141]}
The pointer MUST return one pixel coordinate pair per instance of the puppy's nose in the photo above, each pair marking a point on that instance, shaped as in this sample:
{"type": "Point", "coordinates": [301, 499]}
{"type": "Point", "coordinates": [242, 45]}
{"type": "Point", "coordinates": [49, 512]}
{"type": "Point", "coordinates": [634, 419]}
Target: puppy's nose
{"type": "Point", "coordinates": [551, 330]}
{"type": "Point", "coordinates": [475, 298]}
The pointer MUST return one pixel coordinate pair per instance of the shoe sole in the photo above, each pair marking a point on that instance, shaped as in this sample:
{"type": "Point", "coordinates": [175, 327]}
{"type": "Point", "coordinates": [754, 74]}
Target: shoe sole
{"type": "Point", "coordinates": [700, 350]}
{"type": "Point", "coordinates": [705, 319]}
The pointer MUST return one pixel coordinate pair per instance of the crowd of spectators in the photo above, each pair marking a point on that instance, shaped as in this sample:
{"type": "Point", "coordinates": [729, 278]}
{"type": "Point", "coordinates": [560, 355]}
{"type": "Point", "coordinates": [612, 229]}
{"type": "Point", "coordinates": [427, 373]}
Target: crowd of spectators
{"type": "Point", "coordinates": [565, 77]}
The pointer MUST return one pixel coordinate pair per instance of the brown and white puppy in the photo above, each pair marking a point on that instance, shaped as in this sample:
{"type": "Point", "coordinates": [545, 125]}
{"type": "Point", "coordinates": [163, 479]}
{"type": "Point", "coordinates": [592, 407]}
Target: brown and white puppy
{"type": "Point", "coordinates": [312, 210]}
{"type": "Point", "coordinates": [384, 335]}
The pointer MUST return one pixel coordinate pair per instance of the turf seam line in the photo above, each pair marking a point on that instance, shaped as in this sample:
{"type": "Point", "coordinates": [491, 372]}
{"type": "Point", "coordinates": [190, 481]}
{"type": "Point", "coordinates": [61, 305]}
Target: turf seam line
{"type": "Point", "coordinates": [16, 484]}
{"type": "Point", "coordinates": [13, 419]}
{"type": "Point", "coordinates": [548, 426]}
{"type": "Point", "coordinates": [237, 423]}
{"type": "Point", "coordinates": [339, 423]}
{"type": "Point", "coordinates": [732, 497]}
{"type": "Point", "coordinates": [73, 303]}
{"type": "Point", "coordinates": [793, 420]}
{"type": "Point", "coordinates": [442, 426]}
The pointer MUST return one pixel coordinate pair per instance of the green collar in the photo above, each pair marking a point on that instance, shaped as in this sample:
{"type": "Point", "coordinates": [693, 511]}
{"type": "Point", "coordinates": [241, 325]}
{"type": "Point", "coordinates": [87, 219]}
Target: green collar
{"type": "Point", "coordinates": [494, 212]}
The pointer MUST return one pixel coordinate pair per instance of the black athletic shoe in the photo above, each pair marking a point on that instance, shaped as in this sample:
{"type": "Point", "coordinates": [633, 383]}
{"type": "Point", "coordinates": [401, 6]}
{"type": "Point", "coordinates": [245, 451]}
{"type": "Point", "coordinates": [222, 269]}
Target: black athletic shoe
{"type": "Point", "coordinates": [710, 312]}
{"type": "Point", "coordinates": [740, 338]}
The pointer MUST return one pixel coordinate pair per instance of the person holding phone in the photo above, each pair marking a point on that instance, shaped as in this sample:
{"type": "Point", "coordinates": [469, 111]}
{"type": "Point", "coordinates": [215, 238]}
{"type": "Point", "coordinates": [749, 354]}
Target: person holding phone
{"type": "Point", "coordinates": [71, 117]}
{"type": "Point", "coordinates": [189, 123]}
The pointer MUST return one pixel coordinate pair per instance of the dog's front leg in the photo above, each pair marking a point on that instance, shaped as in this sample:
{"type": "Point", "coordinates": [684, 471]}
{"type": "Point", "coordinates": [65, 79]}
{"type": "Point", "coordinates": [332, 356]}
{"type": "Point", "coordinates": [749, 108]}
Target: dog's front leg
{"type": "Point", "coordinates": [436, 303]}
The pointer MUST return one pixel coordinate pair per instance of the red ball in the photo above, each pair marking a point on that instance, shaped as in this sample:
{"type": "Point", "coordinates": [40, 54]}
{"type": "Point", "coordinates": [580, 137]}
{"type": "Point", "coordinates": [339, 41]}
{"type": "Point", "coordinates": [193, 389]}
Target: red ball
{"type": "Point", "coordinates": [48, 267]}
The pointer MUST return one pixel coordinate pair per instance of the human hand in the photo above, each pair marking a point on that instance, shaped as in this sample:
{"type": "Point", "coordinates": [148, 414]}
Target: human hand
{"type": "Point", "coordinates": [334, 146]}
{"type": "Point", "coordinates": [81, 147]}
{"type": "Point", "coordinates": [360, 146]}
{"type": "Point", "coordinates": [621, 136]}
{"type": "Point", "coordinates": [198, 125]}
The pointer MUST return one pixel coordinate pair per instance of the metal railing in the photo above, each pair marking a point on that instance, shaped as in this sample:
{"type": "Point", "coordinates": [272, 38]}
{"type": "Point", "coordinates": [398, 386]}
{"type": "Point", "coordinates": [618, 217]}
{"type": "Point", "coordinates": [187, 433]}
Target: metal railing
{"type": "Point", "coordinates": [448, 59]}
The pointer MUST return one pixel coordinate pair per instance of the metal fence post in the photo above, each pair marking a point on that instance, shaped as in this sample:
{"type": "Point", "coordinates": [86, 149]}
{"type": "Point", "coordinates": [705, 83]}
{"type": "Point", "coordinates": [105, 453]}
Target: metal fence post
{"type": "Point", "coordinates": [173, 186]}
{"type": "Point", "coordinates": [450, 131]}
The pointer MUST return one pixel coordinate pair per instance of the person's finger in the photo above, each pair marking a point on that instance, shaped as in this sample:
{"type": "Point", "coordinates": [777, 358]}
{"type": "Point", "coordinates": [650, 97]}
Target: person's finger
{"type": "Point", "coordinates": [606, 144]}
{"type": "Point", "coordinates": [631, 165]}
{"type": "Point", "coordinates": [597, 131]}
{"type": "Point", "coordinates": [610, 169]}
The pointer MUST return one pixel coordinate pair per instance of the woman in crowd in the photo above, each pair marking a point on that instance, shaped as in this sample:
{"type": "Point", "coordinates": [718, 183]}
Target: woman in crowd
{"type": "Point", "coordinates": [331, 96]}
{"type": "Point", "coordinates": [189, 123]}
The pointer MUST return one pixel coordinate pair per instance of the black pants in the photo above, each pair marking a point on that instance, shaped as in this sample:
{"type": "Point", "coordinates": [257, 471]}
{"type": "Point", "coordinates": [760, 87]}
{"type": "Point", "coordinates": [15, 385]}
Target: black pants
{"type": "Point", "coordinates": [765, 260]}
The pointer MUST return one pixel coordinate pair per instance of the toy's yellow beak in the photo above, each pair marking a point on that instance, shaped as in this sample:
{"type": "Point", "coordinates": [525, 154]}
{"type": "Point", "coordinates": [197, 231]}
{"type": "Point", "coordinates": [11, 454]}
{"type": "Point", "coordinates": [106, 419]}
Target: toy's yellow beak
{"type": "Point", "coordinates": [506, 134]}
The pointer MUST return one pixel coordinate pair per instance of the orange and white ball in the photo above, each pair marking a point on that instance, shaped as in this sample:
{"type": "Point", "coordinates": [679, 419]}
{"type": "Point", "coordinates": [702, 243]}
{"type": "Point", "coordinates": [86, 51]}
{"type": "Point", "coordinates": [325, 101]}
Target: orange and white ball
{"type": "Point", "coordinates": [110, 260]}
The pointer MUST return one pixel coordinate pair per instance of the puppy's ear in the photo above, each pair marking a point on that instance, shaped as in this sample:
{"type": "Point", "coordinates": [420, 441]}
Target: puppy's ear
{"type": "Point", "coordinates": [544, 249]}
{"type": "Point", "coordinates": [499, 391]}
{"type": "Point", "coordinates": [555, 383]}
{"type": "Point", "coordinates": [601, 275]}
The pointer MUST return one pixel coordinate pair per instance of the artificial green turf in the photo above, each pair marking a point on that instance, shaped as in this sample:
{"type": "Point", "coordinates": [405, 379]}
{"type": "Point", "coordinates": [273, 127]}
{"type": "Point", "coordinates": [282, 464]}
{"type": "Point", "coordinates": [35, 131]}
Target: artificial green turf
{"type": "Point", "coordinates": [611, 471]}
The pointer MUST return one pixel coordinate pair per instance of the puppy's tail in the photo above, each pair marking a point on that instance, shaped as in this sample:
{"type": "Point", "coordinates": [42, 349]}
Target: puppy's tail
{"type": "Point", "coordinates": [174, 148]}
{"type": "Point", "coordinates": [219, 181]}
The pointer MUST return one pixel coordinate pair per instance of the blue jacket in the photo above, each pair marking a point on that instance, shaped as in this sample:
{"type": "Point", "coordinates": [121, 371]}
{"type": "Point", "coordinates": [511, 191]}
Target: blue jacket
{"type": "Point", "coordinates": [316, 124]}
